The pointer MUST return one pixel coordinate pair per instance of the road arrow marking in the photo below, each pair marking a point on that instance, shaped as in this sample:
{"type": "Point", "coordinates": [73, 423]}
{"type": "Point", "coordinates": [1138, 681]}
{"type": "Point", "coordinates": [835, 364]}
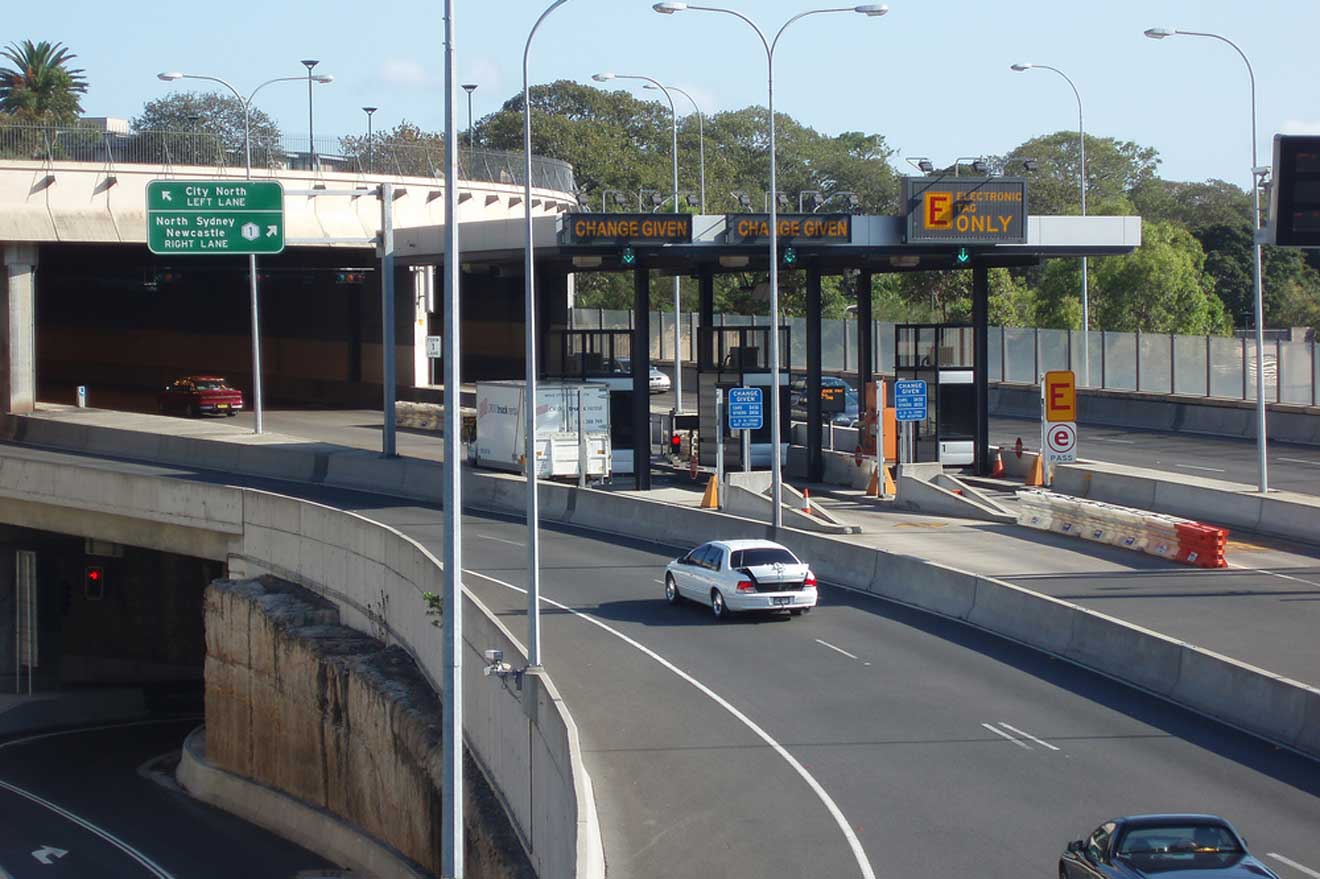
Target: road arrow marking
{"type": "Point", "coordinates": [48, 854]}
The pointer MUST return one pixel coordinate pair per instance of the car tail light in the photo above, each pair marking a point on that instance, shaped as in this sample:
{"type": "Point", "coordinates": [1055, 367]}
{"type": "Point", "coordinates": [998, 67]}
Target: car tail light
{"type": "Point", "coordinates": [746, 586]}
{"type": "Point", "coordinates": [809, 582]}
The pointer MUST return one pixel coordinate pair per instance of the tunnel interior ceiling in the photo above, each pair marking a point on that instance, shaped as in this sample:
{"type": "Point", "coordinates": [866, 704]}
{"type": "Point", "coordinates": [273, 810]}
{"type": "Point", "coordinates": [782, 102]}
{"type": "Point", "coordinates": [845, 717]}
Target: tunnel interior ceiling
{"type": "Point", "coordinates": [123, 321]}
{"type": "Point", "coordinates": [136, 621]}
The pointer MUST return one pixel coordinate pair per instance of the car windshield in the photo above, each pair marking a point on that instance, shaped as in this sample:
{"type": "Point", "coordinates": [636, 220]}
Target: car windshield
{"type": "Point", "coordinates": [210, 386]}
{"type": "Point", "coordinates": [762, 555]}
{"type": "Point", "coordinates": [1178, 841]}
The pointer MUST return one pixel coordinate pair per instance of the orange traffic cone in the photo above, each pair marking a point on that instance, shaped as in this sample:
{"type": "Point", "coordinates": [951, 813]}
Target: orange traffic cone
{"type": "Point", "coordinates": [806, 502]}
{"type": "Point", "coordinates": [873, 487]}
{"type": "Point", "coordinates": [711, 499]}
{"type": "Point", "coordinates": [1037, 476]}
{"type": "Point", "coordinates": [997, 472]}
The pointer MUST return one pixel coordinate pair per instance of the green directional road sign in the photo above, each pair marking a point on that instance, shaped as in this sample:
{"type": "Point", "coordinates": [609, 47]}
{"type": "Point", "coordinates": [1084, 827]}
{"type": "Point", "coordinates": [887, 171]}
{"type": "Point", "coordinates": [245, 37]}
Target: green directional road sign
{"type": "Point", "coordinates": [235, 217]}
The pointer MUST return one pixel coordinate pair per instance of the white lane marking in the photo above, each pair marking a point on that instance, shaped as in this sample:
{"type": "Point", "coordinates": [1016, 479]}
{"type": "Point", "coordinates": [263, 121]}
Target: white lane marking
{"type": "Point", "coordinates": [837, 649]}
{"type": "Point", "coordinates": [100, 728]}
{"type": "Point", "coordinates": [1288, 577]}
{"type": "Point", "coordinates": [661, 582]}
{"type": "Point", "coordinates": [1195, 467]}
{"type": "Point", "coordinates": [1002, 734]}
{"type": "Point", "coordinates": [501, 540]}
{"type": "Point", "coordinates": [853, 842]}
{"type": "Point", "coordinates": [1110, 439]}
{"type": "Point", "coordinates": [151, 866]}
{"type": "Point", "coordinates": [1296, 866]}
{"type": "Point", "coordinates": [1027, 735]}
{"type": "Point", "coordinates": [48, 854]}
{"type": "Point", "coordinates": [1300, 461]}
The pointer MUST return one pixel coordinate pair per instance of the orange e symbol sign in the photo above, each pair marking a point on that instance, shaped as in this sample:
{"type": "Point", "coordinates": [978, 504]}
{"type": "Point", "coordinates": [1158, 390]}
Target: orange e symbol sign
{"type": "Point", "coordinates": [1060, 396]}
{"type": "Point", "coordinates": [939, 210]}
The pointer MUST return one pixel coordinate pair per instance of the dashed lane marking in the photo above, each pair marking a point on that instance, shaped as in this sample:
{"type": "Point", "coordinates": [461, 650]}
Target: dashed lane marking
{"type": "Point", "coordinates": [1027, 735]}
{"type": "Point", "coordinates": [840, 819]}
{"type": "Point", "coordinates": [837, 649]}
{"type": "Point", "coordinates": [1004, 735]}
{"type": "Point", "coordinates": [1296, 866]}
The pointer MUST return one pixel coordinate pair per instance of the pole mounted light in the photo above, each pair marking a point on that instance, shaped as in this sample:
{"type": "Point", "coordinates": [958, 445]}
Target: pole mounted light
{"type": "Point", "coordinates": [677, 207]}
{"type": "Point", "coordinates": [1262, 456]}
{"type": "Point", "coordinates": [1021, 67]}
{"type": "Point", "coordinates": [701, 136]}
{"type": "Point", "coordinates": [246, 104]}
{"type": "Point", "coordinates": [871, 10]}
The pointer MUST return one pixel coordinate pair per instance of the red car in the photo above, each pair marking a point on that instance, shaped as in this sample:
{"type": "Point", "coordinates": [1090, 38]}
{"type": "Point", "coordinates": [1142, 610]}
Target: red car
{"type": "Point", "coordinates": [199, 395]}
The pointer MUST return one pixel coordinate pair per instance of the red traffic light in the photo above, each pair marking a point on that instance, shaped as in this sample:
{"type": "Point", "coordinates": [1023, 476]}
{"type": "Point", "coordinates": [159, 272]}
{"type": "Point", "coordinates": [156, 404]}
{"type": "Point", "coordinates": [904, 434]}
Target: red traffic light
{"type": "Point", "coordinates": [94, 582]}
{"type": "Point", "coordinates": [675, 443]}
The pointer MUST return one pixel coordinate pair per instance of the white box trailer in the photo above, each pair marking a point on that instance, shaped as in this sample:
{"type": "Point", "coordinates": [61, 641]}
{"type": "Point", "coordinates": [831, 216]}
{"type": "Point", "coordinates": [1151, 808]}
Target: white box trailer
{"type": "Point", "coordinates": [502, 421]}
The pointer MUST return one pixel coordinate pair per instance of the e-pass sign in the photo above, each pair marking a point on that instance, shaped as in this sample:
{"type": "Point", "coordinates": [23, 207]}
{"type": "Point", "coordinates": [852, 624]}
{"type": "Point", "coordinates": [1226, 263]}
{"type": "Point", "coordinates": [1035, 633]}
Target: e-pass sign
{"type": "Point", "coordinates": [910, 400]}
{"type": "Point", "coordinates": [1061, 442]}
{"type": "Point", "coordinates": [745, 409]}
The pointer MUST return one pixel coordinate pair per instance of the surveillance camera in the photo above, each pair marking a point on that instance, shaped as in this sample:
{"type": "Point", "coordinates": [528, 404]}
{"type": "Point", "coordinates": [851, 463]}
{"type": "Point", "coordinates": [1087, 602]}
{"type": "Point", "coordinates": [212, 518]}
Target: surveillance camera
{"type": "Point", "coordinates": [494, 657]}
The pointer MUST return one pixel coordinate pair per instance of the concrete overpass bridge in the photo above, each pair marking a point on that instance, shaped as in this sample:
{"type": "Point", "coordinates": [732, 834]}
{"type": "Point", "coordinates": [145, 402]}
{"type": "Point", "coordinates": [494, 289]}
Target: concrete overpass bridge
{"type": "Point", "coordinates": [86, 303]}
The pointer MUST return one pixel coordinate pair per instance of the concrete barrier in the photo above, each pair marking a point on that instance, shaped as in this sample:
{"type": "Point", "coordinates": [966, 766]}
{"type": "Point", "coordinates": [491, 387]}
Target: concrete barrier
{"type": "Point", "coordinates": [1248, 697]}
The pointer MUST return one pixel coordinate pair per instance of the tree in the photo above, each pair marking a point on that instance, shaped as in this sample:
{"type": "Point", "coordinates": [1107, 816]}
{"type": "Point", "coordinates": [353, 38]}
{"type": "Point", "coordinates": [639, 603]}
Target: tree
{"type": "Point", "coordinates": [1161, 287]}
{"type": "Point", "coordinates": [206, 128]}
{"type": "Point", "coordinates": [40, 87]}
{"type": "Point", "coordinates": [1113, 169]}
{"type": "Point", "coordinates": [1194, 205]}
{"type": "Point", "coordinates": [407, 150]}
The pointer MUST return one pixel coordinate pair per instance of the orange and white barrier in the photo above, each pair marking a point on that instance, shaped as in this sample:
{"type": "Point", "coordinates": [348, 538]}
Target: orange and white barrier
{"type": "Point", "coordinates": [1170, 537]}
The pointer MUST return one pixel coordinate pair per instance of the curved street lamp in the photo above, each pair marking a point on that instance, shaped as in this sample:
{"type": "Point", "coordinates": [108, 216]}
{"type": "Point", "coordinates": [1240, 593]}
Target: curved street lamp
{"type": "Point", "coordinates": [246, 103]}
{"type": "Point", "coordinates": [1262, 458]}
{"type": "Point", "coordinates": [701, 136]}
{"type": "Point", "coordinates": [678, 306]}
{"type": "Point", "coordinates": [1081, 139]}
{"type": "Point", "coordinates": [871, 10]}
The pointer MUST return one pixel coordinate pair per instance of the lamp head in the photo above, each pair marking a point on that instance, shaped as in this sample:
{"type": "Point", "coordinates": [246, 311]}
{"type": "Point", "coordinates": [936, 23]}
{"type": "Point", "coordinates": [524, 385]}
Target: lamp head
{"type": "Point", "coordinates": [1159, 33]}
{"type": "Point", "coordinates": [874, 10]}
{"type": "Point", "coordinates": [323, 78]}
{"type": "Point", "coordinates": [1021, 67]}
{"type": "Point", "coordinates": [603, 77]}
{"type": "Point", "coordinates": [1030, 165]}
{"type": "Point", "coordinates": [169, 77]}
{"type": "Point", "coordinates": [309, 63]}
{"type": "Point", "coordinates": [926, 165]}
{"type": "Point", "coordinates": [980, 166]}
{"type": "Point", "coordinates": [469, 87]}
{"type": "Point", "coordinates": [669, 7]}
{"type": "Point", "coordinates": [369, 110]}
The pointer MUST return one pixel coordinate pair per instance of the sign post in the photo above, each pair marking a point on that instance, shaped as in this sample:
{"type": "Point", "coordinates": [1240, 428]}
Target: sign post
{"type": "Point", "coordinates": [719, 447]}
{"type": "Point", "coordinates": [746, 413]}
{"type": "Point", "coordinates": [1058, 393]}
{"type": "Point", "coordinates": [220, 217]}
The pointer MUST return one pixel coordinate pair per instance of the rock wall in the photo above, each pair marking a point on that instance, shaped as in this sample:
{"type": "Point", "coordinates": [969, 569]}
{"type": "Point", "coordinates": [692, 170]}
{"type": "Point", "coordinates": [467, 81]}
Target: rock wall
{"type": "Point", "coordinates": [335, 718]}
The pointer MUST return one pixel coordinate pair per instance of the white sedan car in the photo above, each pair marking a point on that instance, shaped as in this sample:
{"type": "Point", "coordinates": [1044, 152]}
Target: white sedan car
{"type": "Point", "coordinates": [739, 575]}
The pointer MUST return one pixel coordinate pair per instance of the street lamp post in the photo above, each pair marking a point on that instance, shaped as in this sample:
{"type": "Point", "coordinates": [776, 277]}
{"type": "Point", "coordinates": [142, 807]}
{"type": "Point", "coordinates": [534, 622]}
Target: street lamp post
{"type": "Point", "coordinates": [246, 104]}
{"type": "Point", "coordinates": [529, 319]}
{"type": "Point", "coordinates": [669, 8]}
{"type": "Point", "coordinates": [701, 137]}
{"type": "Point", "coordinates": [1262, 458]}
{"type": "Point", "coordinates": [1081, 140]}
{"type": "Point", "coordinates": [370, 144]}
{"type": "Point", "coordinates": [469, 87]}
{"type": "Point", "coordinates": [678, 306]}
{"type": "Point", "coordinates": [309, 63]}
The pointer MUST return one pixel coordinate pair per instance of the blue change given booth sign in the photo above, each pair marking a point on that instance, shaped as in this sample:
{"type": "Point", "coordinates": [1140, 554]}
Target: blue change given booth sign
{"type": "Point", "coordinates": [910, 400]}
{"type": "Point", "coordinates": [745, 409]}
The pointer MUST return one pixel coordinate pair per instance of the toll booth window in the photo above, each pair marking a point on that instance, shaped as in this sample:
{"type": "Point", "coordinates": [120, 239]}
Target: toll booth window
{"type": "Point", "coordinates": [956, 411]}
{"type": "Point", "coordinates": [621, 426]}
{"type": "Point", "coordinates": [956, 347]}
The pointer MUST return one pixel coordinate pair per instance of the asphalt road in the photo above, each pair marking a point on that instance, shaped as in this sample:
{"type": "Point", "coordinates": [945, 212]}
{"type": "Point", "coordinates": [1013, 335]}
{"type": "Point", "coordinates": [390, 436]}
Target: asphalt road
{"type": "Point", "coordinates": [74, 804]}
{"type": "Point", "coordinates": [863, 739]}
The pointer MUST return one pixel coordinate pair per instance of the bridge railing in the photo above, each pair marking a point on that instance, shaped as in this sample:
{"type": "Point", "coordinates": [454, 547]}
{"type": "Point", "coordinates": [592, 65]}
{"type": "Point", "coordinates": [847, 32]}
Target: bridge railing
{"type": "Point", "coordinates": [379, 156]}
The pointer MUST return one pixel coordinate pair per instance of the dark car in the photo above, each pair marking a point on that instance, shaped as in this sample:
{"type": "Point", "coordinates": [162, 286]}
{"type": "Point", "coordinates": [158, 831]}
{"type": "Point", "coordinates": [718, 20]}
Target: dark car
{"type": "Point", "coordinates": [198, 395]}
{"type": "Point", "coordinates": [851, 403]}
{"type": "Point", "coordinates": [1160, 845]}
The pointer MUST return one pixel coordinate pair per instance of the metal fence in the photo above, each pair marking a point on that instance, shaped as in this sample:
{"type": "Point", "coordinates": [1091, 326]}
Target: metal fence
{"type": "Point", "coordinates": [1159, 363]}
{"type": "Point", "coordinates": [204, 149]}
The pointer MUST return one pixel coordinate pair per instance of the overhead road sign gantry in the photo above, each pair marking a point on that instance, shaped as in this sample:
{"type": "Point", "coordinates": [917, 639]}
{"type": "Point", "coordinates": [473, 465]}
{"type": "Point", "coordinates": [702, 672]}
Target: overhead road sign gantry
{"type": "Point", "coordinates": [215, 217]}
{"type": "Point", "coordinates": [965, 210]}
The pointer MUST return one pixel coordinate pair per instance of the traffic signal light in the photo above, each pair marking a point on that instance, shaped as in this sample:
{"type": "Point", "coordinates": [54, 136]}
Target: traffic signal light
{"type": "Point", "coordinates": [790, 256]}
{"type": "Point", "coordinates": [629, 256]}
{"type": "Point", "coordinates": [963, 256]}
{"type": "Point", "coordinates": [1295, 195]}
{"type": "Point", "coordinates": [94, 582]}
{"type": "Point", "coordinates": [675, 444]}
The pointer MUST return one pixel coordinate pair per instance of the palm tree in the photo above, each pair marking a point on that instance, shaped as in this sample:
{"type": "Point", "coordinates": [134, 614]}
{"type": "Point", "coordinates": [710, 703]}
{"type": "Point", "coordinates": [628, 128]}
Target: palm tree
{"type": "Point", "coordinates": [40, 86]}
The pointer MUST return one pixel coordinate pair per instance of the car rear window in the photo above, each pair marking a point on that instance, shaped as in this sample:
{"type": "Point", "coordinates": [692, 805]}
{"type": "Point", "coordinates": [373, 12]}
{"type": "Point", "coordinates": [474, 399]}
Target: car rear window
{"type": "Point", "coordinates": [211, 386]}
{"type": "Point", "coordinates": [766, 555]}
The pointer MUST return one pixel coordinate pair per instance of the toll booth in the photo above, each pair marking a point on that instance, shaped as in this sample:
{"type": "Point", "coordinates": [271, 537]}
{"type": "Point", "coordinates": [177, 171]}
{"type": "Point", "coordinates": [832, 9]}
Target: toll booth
{"type": "Point", "coordinates": [944, 356]}
{"type": "Point", "coordinates": [601, 357]}
{"type": "Point", "coordinates": [739, 357]}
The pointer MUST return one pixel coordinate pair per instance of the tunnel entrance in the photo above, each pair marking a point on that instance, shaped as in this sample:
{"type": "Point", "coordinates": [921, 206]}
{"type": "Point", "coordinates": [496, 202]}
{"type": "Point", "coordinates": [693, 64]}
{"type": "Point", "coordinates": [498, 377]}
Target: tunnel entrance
{"type": "Point", "coordinates": [81, 613]}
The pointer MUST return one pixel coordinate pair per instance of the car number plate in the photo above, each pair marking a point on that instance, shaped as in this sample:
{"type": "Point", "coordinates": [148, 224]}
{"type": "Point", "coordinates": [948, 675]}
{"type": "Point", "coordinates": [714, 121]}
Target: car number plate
{"type": "Point", "coordinates": [222, 406]}
{"type": "Point", "coordinates": [782, 599]}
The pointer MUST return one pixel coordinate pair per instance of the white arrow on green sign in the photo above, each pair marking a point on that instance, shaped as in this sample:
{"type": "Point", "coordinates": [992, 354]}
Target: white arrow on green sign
{"type": "Point", "coordinates": [230, 217]}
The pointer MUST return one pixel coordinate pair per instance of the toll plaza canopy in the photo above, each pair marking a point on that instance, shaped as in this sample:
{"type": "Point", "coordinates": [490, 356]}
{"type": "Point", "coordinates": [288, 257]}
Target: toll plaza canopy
{"type": "Point", "coordinates": [950, 223]}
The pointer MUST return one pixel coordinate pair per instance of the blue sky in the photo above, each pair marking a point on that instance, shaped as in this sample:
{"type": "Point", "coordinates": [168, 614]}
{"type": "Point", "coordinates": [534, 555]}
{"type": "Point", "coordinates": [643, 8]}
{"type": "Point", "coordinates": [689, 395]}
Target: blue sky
{"type": "Point", "coordinates": [932, 76]}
